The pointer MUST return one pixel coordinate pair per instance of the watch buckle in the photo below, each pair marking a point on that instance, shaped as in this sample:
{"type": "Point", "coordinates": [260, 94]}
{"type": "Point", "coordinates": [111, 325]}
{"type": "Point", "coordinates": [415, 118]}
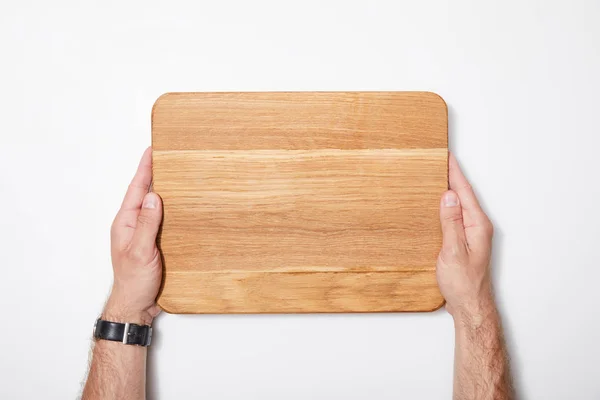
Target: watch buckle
{"type": "Point", "coordinates": [126, 333]}
{"type": "Point", "coordinates": [149, 337]}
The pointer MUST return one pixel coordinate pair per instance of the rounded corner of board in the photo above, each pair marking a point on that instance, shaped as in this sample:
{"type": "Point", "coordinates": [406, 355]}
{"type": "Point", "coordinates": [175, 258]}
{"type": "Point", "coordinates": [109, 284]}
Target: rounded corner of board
{"type": "Point", "coordinates": [436, 306]}
{"type": "Point", "coordinates": [159, 100]}
{"type": "Point", "coordinates": [438, 99]}
{"type": "Point", "coordinates": [166, 307]}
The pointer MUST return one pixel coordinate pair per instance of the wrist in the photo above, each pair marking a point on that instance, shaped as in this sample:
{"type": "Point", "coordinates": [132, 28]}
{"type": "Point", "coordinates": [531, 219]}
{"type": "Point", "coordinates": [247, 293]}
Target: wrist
{"type": "Point", "coordinates": [117, 310]}
{"type": "Point", "coordinates": [476, 313]}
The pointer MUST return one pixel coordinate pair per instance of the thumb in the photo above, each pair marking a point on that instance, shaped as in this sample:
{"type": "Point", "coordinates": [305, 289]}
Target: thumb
{"type": "Point", "coordinates": [148, 223]}
{"type": "Point", "coordinates": [453, 229]}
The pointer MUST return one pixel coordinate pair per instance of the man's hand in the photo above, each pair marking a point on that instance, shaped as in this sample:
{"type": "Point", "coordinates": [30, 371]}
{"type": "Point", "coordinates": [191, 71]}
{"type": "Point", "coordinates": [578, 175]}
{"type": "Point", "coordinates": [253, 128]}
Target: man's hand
{"type": "Point", "coordinates": [463, 272]}
{"type": "Point", "coordinates": [136, 260]}
{"type": "Point", "coordinates": [463, 266]}
{"type": "Point", "coordinates": [118, 371]}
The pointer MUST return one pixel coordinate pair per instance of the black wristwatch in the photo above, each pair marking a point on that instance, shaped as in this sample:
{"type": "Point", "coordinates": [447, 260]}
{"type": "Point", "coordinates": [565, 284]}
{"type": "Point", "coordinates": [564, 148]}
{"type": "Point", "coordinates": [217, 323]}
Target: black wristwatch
{"type": "Point", "coordinates": [140, 335]}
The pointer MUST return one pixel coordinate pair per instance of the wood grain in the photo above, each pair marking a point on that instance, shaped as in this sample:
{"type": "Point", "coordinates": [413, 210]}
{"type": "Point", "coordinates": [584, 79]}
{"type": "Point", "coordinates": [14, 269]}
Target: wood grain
{"type": "Point", "coordinates": [300, 202]}
{"type": "Point", "coordinates": [300, 292]}
{"type": "Point", "coordinates": [301, 120]}
{"type": "Point", "coordinates": [300, 209]}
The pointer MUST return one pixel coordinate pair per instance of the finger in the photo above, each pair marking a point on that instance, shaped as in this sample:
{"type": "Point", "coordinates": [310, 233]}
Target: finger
{"type": "Point", "coordinates": [148, 223]}
{"type": "Point", "coordinates": [140, 184]}
{"type": "Point", "coordinates": [472, 211]}
{"type": "Point", "coordinates": [126, 219]}
{"type": "Point", "coordinates": [451, 218]}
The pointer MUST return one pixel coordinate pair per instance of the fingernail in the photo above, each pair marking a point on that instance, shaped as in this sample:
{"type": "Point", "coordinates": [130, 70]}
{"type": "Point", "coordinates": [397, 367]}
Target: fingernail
{"type": "Point", "coordinates": [450, 199]}
{"type": "Point", "coordinates": [149, 201]}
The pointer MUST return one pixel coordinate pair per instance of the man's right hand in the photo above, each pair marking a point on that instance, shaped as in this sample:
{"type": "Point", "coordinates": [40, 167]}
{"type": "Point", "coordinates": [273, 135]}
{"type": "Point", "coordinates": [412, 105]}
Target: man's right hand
{"type": "Point", "coordinates": [481, 369]}
{"type": "Point", "coordinates": [463, 266]}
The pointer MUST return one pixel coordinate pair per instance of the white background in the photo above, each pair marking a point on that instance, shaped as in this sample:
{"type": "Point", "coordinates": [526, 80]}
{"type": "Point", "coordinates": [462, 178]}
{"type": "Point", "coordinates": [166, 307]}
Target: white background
{"type": "Point", "coordinates": [78, 80]}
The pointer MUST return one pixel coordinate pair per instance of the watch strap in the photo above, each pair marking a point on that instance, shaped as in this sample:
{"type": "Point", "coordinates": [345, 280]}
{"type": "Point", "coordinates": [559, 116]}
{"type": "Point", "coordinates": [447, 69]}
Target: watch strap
{"type": "Point", "coordinates": [126, 333]}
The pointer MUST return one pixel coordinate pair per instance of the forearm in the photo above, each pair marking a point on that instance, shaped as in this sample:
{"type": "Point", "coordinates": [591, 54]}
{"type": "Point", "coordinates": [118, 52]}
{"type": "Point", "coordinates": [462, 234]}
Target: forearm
{"type": "Point", "coordinates": [481, 369]}
{"type": "Point", "coordinates": [117, 371]}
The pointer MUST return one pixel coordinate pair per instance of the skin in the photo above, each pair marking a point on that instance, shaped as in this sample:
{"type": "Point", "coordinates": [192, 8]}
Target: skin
{"type": "Point", "coordinates": [481, 370]}
{"type": "Point", "coordinates": [118, 371]}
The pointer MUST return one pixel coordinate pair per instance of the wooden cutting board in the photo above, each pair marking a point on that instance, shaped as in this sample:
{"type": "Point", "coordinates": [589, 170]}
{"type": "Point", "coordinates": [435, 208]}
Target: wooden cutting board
{"type": "Point", "coordinates": [300, 202]}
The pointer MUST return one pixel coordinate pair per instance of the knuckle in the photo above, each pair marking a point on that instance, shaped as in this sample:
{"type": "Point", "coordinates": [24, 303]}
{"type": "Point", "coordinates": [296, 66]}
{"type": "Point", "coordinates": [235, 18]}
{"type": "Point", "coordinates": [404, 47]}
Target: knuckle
{"type": "Point", "coordinates": [146, 219]}
{"type": "Point", "coordinates": [138, 186]}
{"type": "Point", "coordinates": [453, 217]}
{"type": "Point", "coordinates": [488, 228]}
{"type": "Point", "coordinates": [142, 256]}
{"type": "Point", "coordinates": [114, 226]}
{"type": "Point", "coordinates": [137, 255]}
{"type": "Point", "coordinates": [451, 255]}
{"type": "Point", "coordinates": [447, 258]}
{"type": "Point", "coordinates": [454, 253]}
{"type": "Point", "coordinates": [466, 187]}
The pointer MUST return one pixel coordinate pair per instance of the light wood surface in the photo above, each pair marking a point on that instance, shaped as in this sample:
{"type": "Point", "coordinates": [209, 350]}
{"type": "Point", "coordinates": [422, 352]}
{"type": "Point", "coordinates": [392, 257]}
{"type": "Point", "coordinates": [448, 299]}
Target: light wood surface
{"type": "Point", "coordinates": [300, 202]}
{"type": "Point", "coordinates": [302, 120]}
